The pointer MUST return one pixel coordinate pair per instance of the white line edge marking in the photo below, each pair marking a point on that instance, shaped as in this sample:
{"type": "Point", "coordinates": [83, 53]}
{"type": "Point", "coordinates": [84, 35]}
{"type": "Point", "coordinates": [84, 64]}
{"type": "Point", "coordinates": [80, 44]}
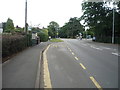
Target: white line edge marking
{"type": "Point", "coordinates": [96, 48]}
{"type": "Point", "coordinates": [115, 54]}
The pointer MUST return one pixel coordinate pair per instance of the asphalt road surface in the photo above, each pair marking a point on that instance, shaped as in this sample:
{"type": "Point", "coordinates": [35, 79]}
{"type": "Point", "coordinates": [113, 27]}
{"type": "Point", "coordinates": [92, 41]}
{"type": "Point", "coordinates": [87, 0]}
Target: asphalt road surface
{"type": "Point", "coordinates": [83, 64]}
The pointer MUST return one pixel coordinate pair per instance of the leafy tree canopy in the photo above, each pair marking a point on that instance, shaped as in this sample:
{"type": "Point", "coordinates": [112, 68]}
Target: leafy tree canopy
{"type": "Point", "coordinates": [9, 27]}
{"type": "Point", "coordinates": [53, 28]}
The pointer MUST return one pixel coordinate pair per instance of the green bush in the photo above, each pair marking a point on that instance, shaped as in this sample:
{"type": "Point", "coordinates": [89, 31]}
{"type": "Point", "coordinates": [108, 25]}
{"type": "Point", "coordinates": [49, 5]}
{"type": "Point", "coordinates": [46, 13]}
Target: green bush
{"type": "Point", "coordinates": [12, 44]}
{"type": "Point", "coordinates": [43, 37]}
{"type": "Point", "coordinates": [29, 39]}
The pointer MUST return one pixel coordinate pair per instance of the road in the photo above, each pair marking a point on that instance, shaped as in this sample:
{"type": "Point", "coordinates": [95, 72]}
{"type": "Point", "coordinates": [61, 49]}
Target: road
{"type": "Point", "coordinates": [83, 64]}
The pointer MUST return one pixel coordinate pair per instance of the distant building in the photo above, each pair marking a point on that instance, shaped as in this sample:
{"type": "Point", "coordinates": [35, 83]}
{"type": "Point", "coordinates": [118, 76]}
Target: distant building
{"type": "Point", "coordinates": [1, 27]}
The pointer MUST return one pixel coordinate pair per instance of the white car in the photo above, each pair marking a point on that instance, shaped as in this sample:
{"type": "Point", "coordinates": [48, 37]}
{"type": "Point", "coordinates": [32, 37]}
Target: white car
{"type": "Point", "coordinates": [93, 38]}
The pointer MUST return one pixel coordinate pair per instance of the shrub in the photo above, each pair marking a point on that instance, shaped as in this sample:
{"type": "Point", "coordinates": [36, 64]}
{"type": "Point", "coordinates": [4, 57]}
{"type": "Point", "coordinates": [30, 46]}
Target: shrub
{"type": "Point", "coordinates": [43, 37]}
{"type": "Point", "coordinates": [12, 44]}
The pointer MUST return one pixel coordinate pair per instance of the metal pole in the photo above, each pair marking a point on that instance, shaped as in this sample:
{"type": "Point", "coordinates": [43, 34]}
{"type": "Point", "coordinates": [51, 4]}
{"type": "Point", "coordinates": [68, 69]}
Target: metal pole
{"type": "Point", "coordinates": [25, 30]}
{"type": "Point", "coordinates": [86, 33]}
{"type": "Point", "coordinates": [113, 23]}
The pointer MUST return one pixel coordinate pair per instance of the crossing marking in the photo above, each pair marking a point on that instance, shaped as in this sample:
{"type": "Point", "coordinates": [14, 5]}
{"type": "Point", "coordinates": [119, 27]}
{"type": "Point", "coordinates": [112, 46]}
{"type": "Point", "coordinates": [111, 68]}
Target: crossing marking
{"type": "Point", "coordinates": [82, 66]}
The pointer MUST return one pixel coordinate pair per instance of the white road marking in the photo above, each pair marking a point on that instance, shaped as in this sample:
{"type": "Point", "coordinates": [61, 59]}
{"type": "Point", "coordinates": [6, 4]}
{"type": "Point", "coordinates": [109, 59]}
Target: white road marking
{"type": "Point", "coordinates": [105, 48]}
{"type": "Point", "coordinates": [115, 54]}
{"type": "Point", "coordinates": [96, 48]}
{"type": "Point", "coordinates": [84, 44]}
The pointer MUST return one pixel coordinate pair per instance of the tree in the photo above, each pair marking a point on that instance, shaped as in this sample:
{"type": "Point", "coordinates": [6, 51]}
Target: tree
{"type": "Point", "coordinates": [19, 29]}
{"type": "Point", "coordinates": [99, 18]}
{"type": "Point", "coordinates": [71, 29]}
{"type": "Point", "coordinates": [9, 27]}
{"type": "Point", "coordinates": [43, 34]}
{"type": "Point", "coordinates": [53, 29]}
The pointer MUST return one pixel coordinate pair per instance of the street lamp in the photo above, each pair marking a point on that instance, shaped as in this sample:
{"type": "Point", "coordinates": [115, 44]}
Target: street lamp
{"type": "Point", "coordinates": [113, 23]}
{"type": "Point", "coordinates": [25, 29]}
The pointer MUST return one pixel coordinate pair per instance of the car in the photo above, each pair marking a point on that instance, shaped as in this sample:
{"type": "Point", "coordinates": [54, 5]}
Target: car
{"type": "Point", "coordinates": [93, 39]}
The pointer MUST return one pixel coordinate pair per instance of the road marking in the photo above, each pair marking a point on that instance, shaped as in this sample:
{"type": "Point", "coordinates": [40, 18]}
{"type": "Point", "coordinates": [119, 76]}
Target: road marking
{"type": "Point", "coordinates": [96, 83]}
{"type": "Point", "coordinates": [84, 44]}
{"type": "Point", "coordinates": [70, 49]}
{"type": "Point", "coordinates": [47, 81]}
{"type": "Point", "coordinates": [73, 53]}
{"type": "Point", "coordinates": [105, 47]}
{"type": "Point", "coordinates": [95, 48]}
{"type": "Point", "coordinates": [115, 54]}
{"type": "Point", "coordinates": [76, 58]}
{"type": "Point", "coordinates": [82, 66]}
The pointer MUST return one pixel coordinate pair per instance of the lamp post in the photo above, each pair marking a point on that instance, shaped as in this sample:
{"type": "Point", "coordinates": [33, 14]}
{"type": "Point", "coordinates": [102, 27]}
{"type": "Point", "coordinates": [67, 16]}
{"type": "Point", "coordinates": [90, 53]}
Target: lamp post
{"type": "Point", "coordinates": [25, 29]}
{"type": "Point", "coordinates": [113, 23]}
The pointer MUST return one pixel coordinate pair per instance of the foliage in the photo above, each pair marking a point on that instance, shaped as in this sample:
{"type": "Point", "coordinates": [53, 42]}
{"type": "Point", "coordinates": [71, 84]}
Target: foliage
{"type": "Point", "coordinates": [9, 26]}
{"type": "Point", "coordinates": [71, 29]}
{"type": "Point", "coordinates": [43, 34]}
{"type": "Point", "coordinates": [19, 29]}
{"type": "Point", "coordinates": [53, 28]}
{"type": "Point", "coordinates": [12, 44]}
{"type": "Point", "coordinates": [56, 40]}
{"type": "Point", "coordinates": [99, 18]}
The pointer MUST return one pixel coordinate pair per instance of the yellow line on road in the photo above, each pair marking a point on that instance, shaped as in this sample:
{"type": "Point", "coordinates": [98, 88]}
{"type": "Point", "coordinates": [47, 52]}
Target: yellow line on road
{"type": "Point", "coordinates": [82, 66]}
{"type": "Point", "coordinates": [96, 83]}
{"type": "Point", "coordinates": [47, 81]}
{"type": "Point", "coordinates": [73, 53]}
{"type": "Point", "coordinates": [76, 58]}
{"type": "Point", "coordinates": [70, 50]}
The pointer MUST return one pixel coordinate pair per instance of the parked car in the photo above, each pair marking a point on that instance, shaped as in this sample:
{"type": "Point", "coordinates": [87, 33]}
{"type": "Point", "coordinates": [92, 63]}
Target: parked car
{"type": "Point", "coordinates": [93, 39]}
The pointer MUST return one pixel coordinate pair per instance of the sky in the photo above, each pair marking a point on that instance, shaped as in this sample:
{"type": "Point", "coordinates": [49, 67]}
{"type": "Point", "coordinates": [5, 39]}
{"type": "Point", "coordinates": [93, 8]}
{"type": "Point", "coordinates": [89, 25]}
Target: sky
{"type": "Point", "coordinates": [40, 12]}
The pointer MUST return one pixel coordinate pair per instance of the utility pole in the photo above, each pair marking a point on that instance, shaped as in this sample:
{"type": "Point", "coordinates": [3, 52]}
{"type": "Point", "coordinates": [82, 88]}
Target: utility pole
{"type": "Point", "coordinates": [113, 24]}
{"type": "Point", "coordinates": [25, 29]}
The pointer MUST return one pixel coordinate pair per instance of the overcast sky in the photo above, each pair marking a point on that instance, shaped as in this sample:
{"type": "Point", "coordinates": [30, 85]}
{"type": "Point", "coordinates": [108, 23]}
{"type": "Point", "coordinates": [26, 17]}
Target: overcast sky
{"type": "Point", "coordinates": [40, 11]}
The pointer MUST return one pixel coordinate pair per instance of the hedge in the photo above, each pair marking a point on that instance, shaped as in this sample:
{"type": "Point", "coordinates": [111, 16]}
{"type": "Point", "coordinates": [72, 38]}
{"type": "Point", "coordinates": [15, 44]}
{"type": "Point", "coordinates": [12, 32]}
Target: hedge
{"type": "Point", "coordinates": [43, 37]}
{"type": "Point", "coordinates": [12, 44]}
{"type": "Point", "coordinates": [108, 40]}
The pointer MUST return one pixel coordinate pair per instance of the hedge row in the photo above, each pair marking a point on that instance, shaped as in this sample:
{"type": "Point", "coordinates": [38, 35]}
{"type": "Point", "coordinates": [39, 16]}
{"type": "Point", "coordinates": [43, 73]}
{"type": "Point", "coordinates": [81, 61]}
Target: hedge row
{"type": "Point", "coordinates": [108, 40]}
{"type": "Point", "coordinates": [12, 44]}
{"type": "Point", "coordinates": [43, 37]}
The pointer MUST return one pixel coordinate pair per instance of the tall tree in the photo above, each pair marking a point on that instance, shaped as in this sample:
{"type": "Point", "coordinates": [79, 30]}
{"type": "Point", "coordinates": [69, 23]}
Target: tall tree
{"type": "Point", "coordinates": [53, 29]}
{"type": "Point", "coordinates": [99, 17]}
{"type": "Point", "coordinates": [71, 29]}
{"type": "Point", "coordinates": [9, 26]}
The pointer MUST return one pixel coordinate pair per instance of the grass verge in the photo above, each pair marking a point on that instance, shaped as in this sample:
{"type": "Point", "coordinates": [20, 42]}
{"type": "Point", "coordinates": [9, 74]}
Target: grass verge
{"type": "Point", "coordinates": [56, 40]}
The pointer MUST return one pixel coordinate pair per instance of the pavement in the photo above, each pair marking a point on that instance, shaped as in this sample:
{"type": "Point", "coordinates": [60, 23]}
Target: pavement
{"type": "Point", "coordinates": [83, 64]}
{"type": "Point", "coordinates": [21, 70]}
